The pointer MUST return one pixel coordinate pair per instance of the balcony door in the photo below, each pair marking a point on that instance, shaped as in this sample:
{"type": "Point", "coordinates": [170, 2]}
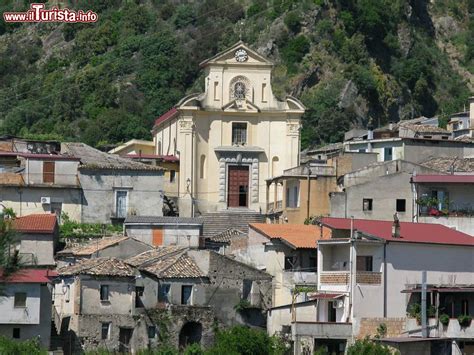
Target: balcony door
{"type": "Point", "coordinates": [238, 186]}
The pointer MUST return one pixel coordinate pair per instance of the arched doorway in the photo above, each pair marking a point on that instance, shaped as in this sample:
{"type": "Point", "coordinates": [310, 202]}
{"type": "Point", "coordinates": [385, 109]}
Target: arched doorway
{"type": "Point", "coordinates": [190, 333]}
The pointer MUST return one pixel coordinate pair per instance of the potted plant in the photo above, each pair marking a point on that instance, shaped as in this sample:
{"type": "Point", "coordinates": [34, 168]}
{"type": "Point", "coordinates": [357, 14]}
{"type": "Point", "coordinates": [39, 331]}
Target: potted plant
{"type": "Point", "coordinates": [444, 319]}
{"type": "Point", "coordinates": [464, 320]}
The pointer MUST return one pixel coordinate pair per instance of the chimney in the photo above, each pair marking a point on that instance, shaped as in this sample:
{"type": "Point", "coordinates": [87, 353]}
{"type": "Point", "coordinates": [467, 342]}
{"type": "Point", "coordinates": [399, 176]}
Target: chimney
{"type": "Point", "coordinates": [471, 116]}
{"type": "Point", "coordinates": [395, 226]}
{"type": "Point", "coordinates": [390, 126]}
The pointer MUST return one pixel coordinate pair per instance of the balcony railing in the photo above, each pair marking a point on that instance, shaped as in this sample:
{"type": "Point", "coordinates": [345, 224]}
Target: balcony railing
{"type": "Point", "coordinates": [438, 330]}
{"type": "Point", "coordinates": [343, 277]}
{"type": "Point", "coordinates": [322, 329]}
{"type": "Point", "coordinates": [275, 206]}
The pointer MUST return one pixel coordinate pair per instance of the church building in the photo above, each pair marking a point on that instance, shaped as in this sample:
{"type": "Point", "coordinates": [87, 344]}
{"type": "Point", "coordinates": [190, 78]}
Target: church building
{"type": "Point", "coordinates": [232, 137]}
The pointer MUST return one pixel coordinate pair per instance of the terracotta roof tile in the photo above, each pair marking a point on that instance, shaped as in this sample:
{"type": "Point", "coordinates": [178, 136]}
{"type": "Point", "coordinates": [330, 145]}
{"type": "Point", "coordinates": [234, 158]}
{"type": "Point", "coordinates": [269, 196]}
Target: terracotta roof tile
{"type": "Point", "coordinates": [298, 236]}
{"type": "Point", "coordinates": [154, 254]}
{"type": "Point", "coordinates": [227, 235]}
{"type": "Point", "coordinates": [36, 223]}
{"type": "Point", "coordinates": [92, 246]}
{"type": "Point", "coordinates": [30, 276]}
{"type": "Point", "coordinates": [99, 267]}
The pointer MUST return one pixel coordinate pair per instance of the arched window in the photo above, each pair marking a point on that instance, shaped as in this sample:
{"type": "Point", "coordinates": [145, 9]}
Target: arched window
{"type": "Point", "coordinates": [239, 90]}
{"type": "Point", "coordinates": [203, 167]}
{"type": "Point", "coordinates": [275, 161]}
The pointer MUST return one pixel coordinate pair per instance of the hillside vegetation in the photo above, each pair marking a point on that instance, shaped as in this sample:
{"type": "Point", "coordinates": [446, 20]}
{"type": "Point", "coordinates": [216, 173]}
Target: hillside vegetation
{"type": "Point", "coordinates": [349, 61]}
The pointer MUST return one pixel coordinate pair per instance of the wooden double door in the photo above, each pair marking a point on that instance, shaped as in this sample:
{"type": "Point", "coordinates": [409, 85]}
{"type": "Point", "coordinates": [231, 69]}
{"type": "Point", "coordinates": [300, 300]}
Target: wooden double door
{"type": "Point", "coordinates": [238, 186]}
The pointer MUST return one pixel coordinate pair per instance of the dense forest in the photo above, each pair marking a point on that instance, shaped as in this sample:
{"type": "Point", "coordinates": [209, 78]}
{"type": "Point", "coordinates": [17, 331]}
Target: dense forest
{"type": "Point", "coordinates": [349, 61]}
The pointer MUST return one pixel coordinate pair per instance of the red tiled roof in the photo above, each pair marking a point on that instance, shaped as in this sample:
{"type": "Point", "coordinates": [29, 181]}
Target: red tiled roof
{"type": "Point", "coordinates": [166, 158]}
{"type": "Point", "coordinates": [36, 223]}
{"type": "Point", "coordinates": [297, 235]}
{"type": "Point", "coordinates": [30, 276]}
{"type": "Point", "coordinates": [409, 232]}
{"type": "Point", "coordinates": [166, 116]}
{"type": "Point", "coordinates": [459, 179]}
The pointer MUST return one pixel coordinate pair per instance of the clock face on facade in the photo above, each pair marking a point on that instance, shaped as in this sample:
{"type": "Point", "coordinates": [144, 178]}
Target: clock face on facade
{"type": "Point", "coordinates": [241, 55]}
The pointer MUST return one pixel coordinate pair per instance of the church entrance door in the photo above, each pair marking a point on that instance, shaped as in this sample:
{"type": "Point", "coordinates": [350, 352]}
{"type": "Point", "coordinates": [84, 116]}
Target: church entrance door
{"type": "Point", "coordinates": [238, 186]}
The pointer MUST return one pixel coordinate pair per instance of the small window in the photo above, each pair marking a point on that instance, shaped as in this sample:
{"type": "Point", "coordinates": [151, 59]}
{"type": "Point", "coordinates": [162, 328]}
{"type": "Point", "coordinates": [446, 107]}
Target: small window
{"type": "Point", "coordinates": [239, 90]}
{"type": "Point", "coordinates": [186, 292]}
{"type": "Point", "coordinates": [246, 289]}
{"type": "Point", "coordinates": [388, 154]}
{"type": "Point", "coordinates": [151, 332]}
{"type": "Point", "coordinates": [264, 87]}
{"type": "Point", "coordinates": [172, 176]}
{"type": "Point", "coordinates": [104, 292]}
{"type": "Point", "coordinates": [367, 204]}
{"type": "Point", "coordinates": [289, 262]}
{"type": "Point", "coordinates": [364, 263]}
{"type": "Point", "coordinates": [138, 294]}
{"type": "Point", "coordinates": [20, 300]}
{"type": "Point", "coordinates": [121, 200]}
{"type": "Point", "coordinates": [401, 205]}
{"type": "Point", "coordinates": [16, 333]}
{"type": "Point", "coordinates": [239, 133]}
{"type": "Point", "coordinates": [67, 293]}
{"type": "Point", "coordinates": [163, 293]}
{"type": "Point", "coordinates": [48, 172]}
{"type": "Point", "coordinates": [216, 91]}
{"type": "Point", "coordinates": [105, 330]}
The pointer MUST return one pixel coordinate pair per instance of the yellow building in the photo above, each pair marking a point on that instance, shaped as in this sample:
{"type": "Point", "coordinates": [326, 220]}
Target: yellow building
{"type": "Point", "coordinates": [232, 137]}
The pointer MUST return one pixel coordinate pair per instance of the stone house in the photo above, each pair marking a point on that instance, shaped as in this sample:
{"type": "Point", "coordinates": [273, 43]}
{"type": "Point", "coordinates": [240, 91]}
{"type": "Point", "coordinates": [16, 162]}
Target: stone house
{"type": "Point", "coordinates": [221, 136]}
{"type": "Point", "coordinates": [373, 274]}
{"type": "Point", "coordinates": [36, 238]}
{"type": "Point", "coordinates": [164, 231]}
{"type": "Point", "coordinates": [378, 191]}
{"type": "Point", "coordinates": [199, 289]}
{"type": "Point", "coordinates": [114, 187]}
{"type": "Point", "coordinates": [119, 247]}
{"type": "Point", "coordinates": [25, 305]}
{"type": "Point", "coordinates": [95, 307]}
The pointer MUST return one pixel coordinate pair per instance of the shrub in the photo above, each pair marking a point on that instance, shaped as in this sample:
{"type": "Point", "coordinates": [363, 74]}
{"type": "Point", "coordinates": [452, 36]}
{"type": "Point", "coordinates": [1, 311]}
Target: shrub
{"type": "Point", "coordinates": [296, 49]}
{"type": "Point", "coordinates": [444, 319]}
{"type": "Point", "coordinates": [368, 347]}
{"type": "Point", "coordinates": [464, 320]}
{"type": "Point", "coordinates": [30, 347]}
{"type": "Point", "coordinates": [293, 22]}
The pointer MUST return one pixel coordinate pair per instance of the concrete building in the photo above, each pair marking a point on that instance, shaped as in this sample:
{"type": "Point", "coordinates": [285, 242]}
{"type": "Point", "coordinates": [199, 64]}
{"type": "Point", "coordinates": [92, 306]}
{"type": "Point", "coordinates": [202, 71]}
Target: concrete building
{"type": "Point", "coordinates": [373, 277]}
{"type": "Point", "coordinates": [25, 305]}
{"type": "Point", "coordinates": [95, 307]}
{"type": "Point", "coordinates": [114, 187]}
{"type": "Point", "coordinates": [378, 191]}
{"type": "Point", "coordinates": [119, 247]}
{"type": "Point", "coordinates": [445, 199]}
{"type": "Point", "coordinates": [232, 137]}
{"type": "Point", "coordinates": [303, 192]}
{"type": "Point", "coordinates": [36, 239]}
{"type": "Point", "coordinates": [285, 251]}
{"type": "Point", "coordinates": [197, 289]}
{"type": "Point", "coordinates": [164, 231]}
{"type": "Point", "coordinates": [461, 124]}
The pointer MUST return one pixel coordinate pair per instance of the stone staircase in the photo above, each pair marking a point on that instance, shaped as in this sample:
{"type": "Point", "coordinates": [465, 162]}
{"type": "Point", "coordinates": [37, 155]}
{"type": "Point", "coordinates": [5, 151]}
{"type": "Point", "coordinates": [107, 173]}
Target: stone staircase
{"type": "Point", "coordinates": [217, 222]}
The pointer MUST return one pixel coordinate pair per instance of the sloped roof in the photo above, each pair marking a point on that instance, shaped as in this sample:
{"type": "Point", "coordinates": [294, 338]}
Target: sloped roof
{"type": "Point", "coordinates": [44, 223]}
{"type": "Point", "coordinates": [30, 276]}
{"type": "Point", "coordinates": [239, 44]}
{"type": "Point", "coordinates": [297, 236]}
{"type": "Point", "coordinates": [166, 116]}
{"type": "Point", "coordinates": [453, 179]}
{"type": "Point", "coordinates": [410, 232]}
{"type": "Point", "coordinates": [445, 164]}
{"type": "Point", "coordinates": [92, 246]}
{"type": "Point", "coordinates": [227, 235]}
{"type": "Point", "coordinates": [92, 158]}
{"type": "Point", "coordinates": [99, 267]}
{"type": "Point", "coordinates": [167, 262]}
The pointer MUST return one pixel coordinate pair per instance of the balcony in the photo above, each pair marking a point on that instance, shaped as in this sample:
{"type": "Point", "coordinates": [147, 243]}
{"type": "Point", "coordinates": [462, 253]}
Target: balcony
{"type": "Point", "coordinates": [438, 330]}
{"type": "Point", "coordinates": [274, 207]}
{"type": "Point", "coordinates": [343, 278]}
{"type": "Point", "coordinates": [322, 329]}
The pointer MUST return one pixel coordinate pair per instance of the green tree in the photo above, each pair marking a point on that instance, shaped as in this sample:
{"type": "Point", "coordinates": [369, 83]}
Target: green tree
{"type": "Point", "coordinates": [293, 21]}
{"type": "Point", "coordinates": [368, 347]}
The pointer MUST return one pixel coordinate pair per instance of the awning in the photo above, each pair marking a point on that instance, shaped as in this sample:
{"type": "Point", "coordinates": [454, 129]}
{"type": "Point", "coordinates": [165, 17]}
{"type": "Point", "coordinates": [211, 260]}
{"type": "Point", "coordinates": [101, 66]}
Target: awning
{"type": "Point", "coordinates": [440, 289]}
{"type": "Point", "coordinates": [327, 296]}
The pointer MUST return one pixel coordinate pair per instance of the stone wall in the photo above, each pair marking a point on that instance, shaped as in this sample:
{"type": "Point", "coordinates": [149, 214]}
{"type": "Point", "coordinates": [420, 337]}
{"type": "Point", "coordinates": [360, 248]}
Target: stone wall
{"type": "Point", "coordinates": [368, 327]}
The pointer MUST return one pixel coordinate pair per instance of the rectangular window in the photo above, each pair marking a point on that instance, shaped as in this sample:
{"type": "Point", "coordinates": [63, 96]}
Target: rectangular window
{"type": "Point", "coordinates": [362, 150]}
{"type": "Point", "coordinates": [105, 330]}
{"type": "Point", "coordinates": [121, 203]}
{"type": "Point", "coordinates": [16, 333]}
{"type": "Point", "coordinates": [67, 295]}
{"type": "Point", "coordinates": [151, 332]}
{"type": "Point", "coordinates": [186, 292]}
{"type": "Point", "coordinates": [367, 204]}
{"type": "Point", "coordinates": [20, 300]}
{"type": "Point", "coordinates": [172, 176]}
{"type": "Point", "coordinates": [138, 294]}
{"type": "Point", "coordinates": [48, 172]}
{"type": "Point", "coordinates": [239, 133]}
{"type": "Point", "coordinates": [292, 195]}
{"type": "Point", "coordinates": [104, 292]}
{"type": "Point", "coordinates": [216, 91]}
{"type": "Point", "coordinates": [163, 293]}
{"type": "Point", "coordinates": [264, 87]}
{"type": "Point", "coordinates": [364, 263]}
{"type": "Point", "coordinates": [401, 205]}
{"type": "Point", "coordinates": [246, 289]}
{"type": "Point", "coordinates": [289, 262]}
{"type": "Point", "coordinates": [388, 154]}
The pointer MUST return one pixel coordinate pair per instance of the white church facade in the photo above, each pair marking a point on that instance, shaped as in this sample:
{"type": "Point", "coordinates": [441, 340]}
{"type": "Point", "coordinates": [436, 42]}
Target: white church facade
{"type": "Point", "coordinates": [232, 137]}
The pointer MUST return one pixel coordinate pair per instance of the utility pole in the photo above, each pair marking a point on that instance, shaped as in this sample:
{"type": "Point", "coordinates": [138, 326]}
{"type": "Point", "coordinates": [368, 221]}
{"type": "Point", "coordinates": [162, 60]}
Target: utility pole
{"type": "Point", "coordinates": [424, 329]}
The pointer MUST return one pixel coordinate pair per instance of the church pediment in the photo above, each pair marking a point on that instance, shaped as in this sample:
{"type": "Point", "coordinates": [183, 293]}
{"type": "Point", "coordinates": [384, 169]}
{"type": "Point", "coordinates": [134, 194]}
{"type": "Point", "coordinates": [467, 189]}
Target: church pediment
{"type": "Point", "coordinates": [240, 105]}
{"type": "Point", "coordinates": [239, 53]}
